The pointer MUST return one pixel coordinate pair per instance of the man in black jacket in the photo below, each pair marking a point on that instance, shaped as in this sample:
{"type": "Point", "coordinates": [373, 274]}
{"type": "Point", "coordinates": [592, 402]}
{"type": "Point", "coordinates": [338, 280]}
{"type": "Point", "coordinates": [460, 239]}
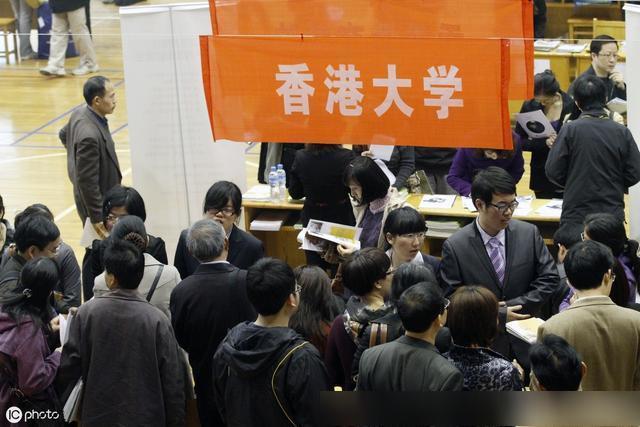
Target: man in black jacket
{"type": "Point", "coordinates": [594, 158]}
{"type": "Point", "coordinates": [205, 305]}
{"type": "Point", "coordinates": [412, 362]}
{"type": "Point", "coordinates": [264, 372]}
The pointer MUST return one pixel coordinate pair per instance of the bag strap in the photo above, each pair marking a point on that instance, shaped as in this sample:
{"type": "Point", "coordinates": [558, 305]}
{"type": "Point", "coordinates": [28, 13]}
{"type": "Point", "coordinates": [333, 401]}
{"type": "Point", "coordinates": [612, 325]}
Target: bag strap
{"type": "Point", "coordinates": [383, 333]}
{"type": "Point", "coordinates": [375, 327]}
{"type": "Point", "coordinates": [155, 282]}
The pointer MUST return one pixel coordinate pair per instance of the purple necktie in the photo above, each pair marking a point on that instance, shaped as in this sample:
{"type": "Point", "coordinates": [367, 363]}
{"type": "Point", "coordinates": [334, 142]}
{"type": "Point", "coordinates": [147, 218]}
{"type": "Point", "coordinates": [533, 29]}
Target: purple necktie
{"type": "Point", "coordinates": [496, 258]}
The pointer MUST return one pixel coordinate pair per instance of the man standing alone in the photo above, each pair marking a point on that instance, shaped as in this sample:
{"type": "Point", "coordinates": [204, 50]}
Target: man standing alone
{"type": "Point", "coordinates": [92, 163]}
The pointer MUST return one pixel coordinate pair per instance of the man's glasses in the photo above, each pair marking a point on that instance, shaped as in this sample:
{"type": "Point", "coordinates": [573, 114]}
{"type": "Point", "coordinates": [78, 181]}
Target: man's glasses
{"type": "Point", "coordinates": [226, 211]}
{"type": "Point", "coordinates": [503, 207]}
{"type": "Point", "coordinates": [609, 55]}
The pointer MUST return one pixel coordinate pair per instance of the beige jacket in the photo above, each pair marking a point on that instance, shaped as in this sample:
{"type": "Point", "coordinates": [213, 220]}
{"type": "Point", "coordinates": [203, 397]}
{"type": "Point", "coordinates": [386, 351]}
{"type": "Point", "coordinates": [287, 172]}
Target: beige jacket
{"type": "Point", "coordinates": [608, 339]}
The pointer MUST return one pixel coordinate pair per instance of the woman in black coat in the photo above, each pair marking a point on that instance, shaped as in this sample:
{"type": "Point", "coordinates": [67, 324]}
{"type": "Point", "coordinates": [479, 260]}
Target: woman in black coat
{"type": "Point", "coordinates": [316, 175]}
{"type": "Point", "coordinates": [557, 106]}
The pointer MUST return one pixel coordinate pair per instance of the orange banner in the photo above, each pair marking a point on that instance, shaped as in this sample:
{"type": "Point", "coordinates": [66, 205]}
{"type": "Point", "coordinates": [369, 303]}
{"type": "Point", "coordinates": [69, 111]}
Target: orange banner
{"type": "Point", "coordinates": [358, 90]}
{"type": "Point", "coordinates": [504, 19]}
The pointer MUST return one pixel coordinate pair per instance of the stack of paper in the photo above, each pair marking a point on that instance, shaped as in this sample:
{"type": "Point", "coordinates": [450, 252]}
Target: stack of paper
{"type": "Point", "coordinates": [553, 208]}
{"type": "Point", "coordinates": [546, 45]}
{"type": "Point", "coordinates": [439, 201]}
{"type": "Point", "coordinates": [571, 48]}
{"type": "Point", "coordinates": [526, 330]}
{"type": "Point", "coordinates": [260, 192]}
{"type": "Point", "coordinates": [442, 228]}
{"type": "Point", "coordinates": [269, 221]}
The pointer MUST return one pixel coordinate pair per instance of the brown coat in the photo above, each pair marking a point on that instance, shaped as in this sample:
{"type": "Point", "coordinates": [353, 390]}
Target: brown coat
{"type": "Point", "coordinates": [608, 339]}
{"type": "Point", "coordinates": [92, 163]}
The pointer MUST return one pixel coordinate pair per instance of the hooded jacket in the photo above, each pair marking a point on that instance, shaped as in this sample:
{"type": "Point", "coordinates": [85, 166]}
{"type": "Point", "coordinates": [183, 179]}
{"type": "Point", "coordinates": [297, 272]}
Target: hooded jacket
{"type": "Point", "coordinates": [267, 377]}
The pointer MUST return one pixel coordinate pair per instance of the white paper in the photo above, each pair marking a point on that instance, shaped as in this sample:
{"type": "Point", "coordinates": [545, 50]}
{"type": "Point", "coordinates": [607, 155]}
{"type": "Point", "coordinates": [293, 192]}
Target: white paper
{"type": "Point", "coordinates": [571, 48]}
{"type": "Point", "coordinates": [382, 152]}
{"type": "Point", "coordinates": [467, 203]}
{"type": "Point", "coordinates": [71, 409]}
{"type": "Point", "coordinates": [89, 234]}
{"type": "Point", "coordinates": [387, 172]}
{"type": "Point", "coordinates": [259, 192]}
{"type": "Point", "coordinates": [535, 124]}
{"type": "Point", "coordinates": [269, 221]}
{"type": "Point", "coordinates": [551, 209]}
{"type": "Point", "coordinates": [65, 323]}
{"type": "Point", "coordinates": [439, 201]}
{"type": "Point", "coordinates": [618, 105]}
{"type": "Point", "coordinates": [545, 45]}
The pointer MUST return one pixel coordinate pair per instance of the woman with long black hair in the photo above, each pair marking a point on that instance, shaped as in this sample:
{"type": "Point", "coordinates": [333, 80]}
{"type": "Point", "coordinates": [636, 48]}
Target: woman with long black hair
{"type": "Point", "coordinates": [27, 364]}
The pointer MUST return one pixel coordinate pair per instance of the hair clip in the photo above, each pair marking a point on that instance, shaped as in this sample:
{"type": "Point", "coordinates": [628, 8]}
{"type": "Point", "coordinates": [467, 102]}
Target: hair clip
{"type": "Point", "coordinates": [27, 292]}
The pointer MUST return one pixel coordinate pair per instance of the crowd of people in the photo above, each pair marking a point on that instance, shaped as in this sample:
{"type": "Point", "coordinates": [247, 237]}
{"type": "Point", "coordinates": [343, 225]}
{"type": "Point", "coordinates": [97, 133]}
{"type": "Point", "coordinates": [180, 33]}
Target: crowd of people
{"type": "Point", "coordinates": [254, 340]}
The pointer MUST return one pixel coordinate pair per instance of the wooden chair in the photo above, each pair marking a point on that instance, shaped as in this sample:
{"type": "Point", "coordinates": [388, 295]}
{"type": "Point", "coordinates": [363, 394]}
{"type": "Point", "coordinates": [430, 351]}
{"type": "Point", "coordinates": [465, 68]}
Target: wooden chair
{"type": "Point", "coordinates": [8, 26]}
{"type": "Point", "coordinates": [580, 28]}
{"type": "Point", "coordinates": [614, 29]}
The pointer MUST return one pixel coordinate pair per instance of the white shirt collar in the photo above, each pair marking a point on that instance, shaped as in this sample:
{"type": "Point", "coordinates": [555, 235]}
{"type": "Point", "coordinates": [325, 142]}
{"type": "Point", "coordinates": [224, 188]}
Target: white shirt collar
{"type": "Point", "coordinates": [486, 237]}
{"type": "Point", "coordinates": [416, 259]}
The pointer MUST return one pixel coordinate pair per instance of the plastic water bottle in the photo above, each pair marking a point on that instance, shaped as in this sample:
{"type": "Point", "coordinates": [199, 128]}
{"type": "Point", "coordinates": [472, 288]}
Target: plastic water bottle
{"type": "Point", "coordinates": [282, 182]}
{"type": "Point", "coordinates": [274, 185]}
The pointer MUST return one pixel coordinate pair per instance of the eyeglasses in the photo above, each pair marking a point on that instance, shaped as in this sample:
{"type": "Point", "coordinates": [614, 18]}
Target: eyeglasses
{"type": "Point", "coordinates": [609, 55]}
{"type": "Point", "coordinates": [502, 207]}
{"type": "Point", "coordinates": [446, 304]}
{"type": "Point", "coordinates": [226, 211]}
{"type": "Point", "coordinates": [55, 250]}
{"type": "Point", "coordinates": [113, 218]}
{"type": "Point", "coordinates": [413, 236]}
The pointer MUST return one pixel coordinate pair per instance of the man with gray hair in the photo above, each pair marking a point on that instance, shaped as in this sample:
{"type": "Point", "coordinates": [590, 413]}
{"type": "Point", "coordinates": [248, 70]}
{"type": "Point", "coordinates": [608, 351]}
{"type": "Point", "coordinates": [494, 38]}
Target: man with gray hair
{"type": "Point", "coordinates": [205, 305]}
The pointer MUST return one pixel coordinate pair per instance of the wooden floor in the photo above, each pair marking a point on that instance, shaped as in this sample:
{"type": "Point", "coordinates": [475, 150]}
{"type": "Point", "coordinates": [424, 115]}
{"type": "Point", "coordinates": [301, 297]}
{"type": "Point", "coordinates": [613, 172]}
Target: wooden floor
{"type": "Point", "coordinates": [33, 108]}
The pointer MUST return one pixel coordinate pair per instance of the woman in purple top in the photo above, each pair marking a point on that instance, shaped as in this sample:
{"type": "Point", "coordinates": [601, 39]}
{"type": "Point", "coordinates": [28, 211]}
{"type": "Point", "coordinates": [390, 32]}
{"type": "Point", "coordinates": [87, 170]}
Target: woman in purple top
{"type": "Point", "coordinates": [468, 161]}
{"type": "Point", "coordinates": [27, 364]}
{"type": "Point", "coordinates": [609, 230]}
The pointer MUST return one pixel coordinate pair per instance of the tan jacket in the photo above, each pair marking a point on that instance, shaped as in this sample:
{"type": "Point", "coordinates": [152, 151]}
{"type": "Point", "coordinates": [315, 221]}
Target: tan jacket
{"type": "Point", "coordinates": [608, 339]}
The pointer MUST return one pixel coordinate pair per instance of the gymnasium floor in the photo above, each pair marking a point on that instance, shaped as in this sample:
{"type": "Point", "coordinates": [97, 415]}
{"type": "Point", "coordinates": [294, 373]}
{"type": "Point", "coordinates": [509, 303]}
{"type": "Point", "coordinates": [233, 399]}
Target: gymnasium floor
{"type": "Point", "coordinates": [33, 108]}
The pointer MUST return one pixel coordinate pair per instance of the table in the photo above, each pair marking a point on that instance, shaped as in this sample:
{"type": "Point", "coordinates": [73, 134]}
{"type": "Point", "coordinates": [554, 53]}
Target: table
{"type": "Point", "coordinates": [283, 245]}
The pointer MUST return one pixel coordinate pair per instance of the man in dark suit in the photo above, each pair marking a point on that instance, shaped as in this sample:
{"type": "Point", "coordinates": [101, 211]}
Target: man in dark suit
{"type": "Point", "coordinates": [505, 255]}
{"type": "Point", "coordinates": [412, 362]}
{"type": "Point", "coordinates": [205, 305]}
{"type": "Point", "coordinates": [92, 163]}
{"type": "Point", "coordinates": [223, 204]}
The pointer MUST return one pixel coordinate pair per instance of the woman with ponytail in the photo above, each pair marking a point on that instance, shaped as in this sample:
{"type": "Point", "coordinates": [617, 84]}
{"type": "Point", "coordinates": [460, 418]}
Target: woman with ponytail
{"type": "Point", "coordinates": [27, 364]}
{"type": "Point", "coordinates": [166, 277]}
